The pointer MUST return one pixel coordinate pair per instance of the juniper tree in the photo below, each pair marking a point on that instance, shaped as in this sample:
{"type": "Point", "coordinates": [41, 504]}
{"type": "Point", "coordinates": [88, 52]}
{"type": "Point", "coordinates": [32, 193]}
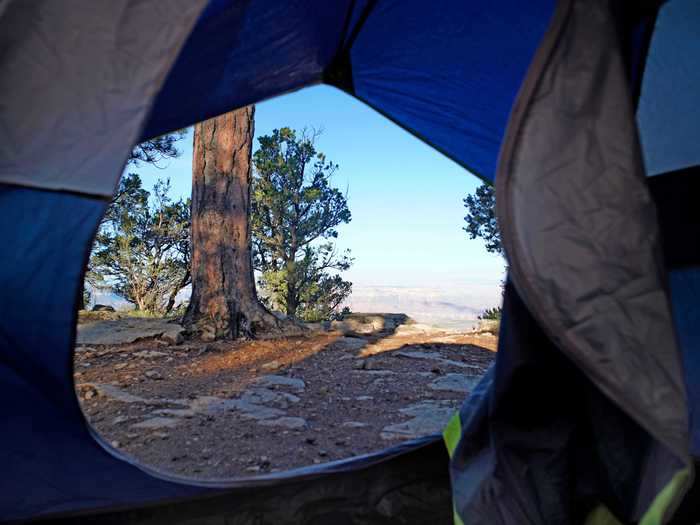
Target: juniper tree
{"type": "Point", "coordinates": [295, 214]}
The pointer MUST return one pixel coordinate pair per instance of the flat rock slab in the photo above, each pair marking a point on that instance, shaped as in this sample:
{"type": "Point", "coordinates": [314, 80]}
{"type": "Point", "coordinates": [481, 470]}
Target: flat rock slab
{"type": "Point", "coordinates": [349, 344]}
{"type": "Point", "coordinates": [455, 383]}
{"type": "Point", "coordinates": [428, 417]}
{"type": "Point", "coordinates": [290, 422]}
{"type": "Point", "coordinates": [434, 356]}
{"type": "Point", "coordinates": [117, 394]}
{"type": "Point", "coordinates": [127, 330]}
{"type": "Point", "coordinates": [272, 381]}
{"type": "Point", "coordinates": [149, 354]}
{"type": "Point", "coordinates": [187, 413]}
{"type": "Point", "coordinates": [264, 396]}
{"type": "Point", "coordinates": [156, 423]}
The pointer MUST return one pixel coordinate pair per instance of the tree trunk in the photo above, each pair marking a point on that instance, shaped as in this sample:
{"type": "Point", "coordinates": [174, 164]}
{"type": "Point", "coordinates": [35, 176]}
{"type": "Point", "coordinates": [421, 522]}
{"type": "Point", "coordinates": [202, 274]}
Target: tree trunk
{"type": "Point", "coordinates": [224, 303]}
{"type": "Point", "coordinates": [171, 300]}
{"type": "Point", "coordinates": [81, 297]}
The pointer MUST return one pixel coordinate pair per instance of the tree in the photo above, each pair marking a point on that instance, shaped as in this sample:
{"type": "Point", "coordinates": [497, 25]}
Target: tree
{"type": "Point", "coordinates": [141, 248]}
{"type": "Point", "coordinates": [150, 152]}
{"type": "Point", "coordinates": [154, 150]}
{"type": "Point", "coordinates": [481, 218]}
{"type": "Point", "coordinates": [491, 314]}
{"type": "Point", "coordinates": [294, 216]}
{"type": "Point", "coordinates": [224, 303]}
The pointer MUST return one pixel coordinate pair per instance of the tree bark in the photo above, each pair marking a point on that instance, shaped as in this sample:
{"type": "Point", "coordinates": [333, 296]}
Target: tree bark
{"type": "Point", "coordinates": [171, 300]}
{"type": "Point", "coordinates": [224, 303]}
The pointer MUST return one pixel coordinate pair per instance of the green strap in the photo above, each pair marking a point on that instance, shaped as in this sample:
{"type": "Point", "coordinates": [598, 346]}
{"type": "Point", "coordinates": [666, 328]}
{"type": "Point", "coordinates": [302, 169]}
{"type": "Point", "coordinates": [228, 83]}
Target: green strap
{"type": "Point", "coordinates": [673, 489]}
{"type": "Point", "coordinates": [657, 510]}
{"type": "Point", "coordinates": [452, 433]}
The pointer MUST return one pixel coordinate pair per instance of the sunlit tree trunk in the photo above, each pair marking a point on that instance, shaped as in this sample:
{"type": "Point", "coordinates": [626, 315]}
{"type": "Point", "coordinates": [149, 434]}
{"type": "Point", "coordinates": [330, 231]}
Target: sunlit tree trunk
{"type": "Point", "coordinates": [224, 303]}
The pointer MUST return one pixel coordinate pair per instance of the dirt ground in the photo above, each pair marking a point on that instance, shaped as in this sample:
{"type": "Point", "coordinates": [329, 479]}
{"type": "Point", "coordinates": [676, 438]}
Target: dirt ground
{"type": "Point", "coordinates": [229, 409]}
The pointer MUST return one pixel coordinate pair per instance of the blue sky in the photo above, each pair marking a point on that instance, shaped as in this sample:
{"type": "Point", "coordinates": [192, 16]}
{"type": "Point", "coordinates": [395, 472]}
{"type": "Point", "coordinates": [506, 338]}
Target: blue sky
{"type": "Point", "coordinates": [405, 198]}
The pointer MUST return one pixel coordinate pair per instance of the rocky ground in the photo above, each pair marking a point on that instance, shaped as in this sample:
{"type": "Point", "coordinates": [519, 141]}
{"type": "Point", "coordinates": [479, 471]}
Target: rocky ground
{"type": "Point", "coordinates": [225, 409]}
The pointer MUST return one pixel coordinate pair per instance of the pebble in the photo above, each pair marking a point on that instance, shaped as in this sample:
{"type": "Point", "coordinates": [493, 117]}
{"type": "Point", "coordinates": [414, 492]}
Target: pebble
{"type": "Point", "coordinates": [272, 365]}
{"type": "Point", "coordinates": [354, 424]}
{"type": "Point", "coordinates": [153, 374]}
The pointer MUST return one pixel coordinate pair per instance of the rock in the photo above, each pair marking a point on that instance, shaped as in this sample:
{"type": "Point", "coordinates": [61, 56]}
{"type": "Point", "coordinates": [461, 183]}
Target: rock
{"type": "Point", "coordinates": [114, 393]}
{"type": "Point", "coordinates": [149, 354]}
{"type": "Point", "coordinates": [264, 396]}
{"type": "Point", "coordinates": [428, 417]}
{"type": "Point", "coordinates": [254, 468]}
{"type": "Point", "coordinates": [115, 444]}
{"type": "Point", "coordinates": [174, 335]}
{"type": "Point", "coordinates": [153, 374]}
{"type": "Point", "coordinates": [349, 344]}
{"type": "Point", "coordinates": [364, 398]}
{"type": "Point", "coordinates": [89, 393]}
{"type": "Point", "coordinates": [187, 413]}
{"type": "Point", "coordinates": [120, 366]}
{"type": "Point", "coordinates": [207, 334]}
{"type": "Point", "coordinates": [157, 423]}
{"type": "Point", "coordinates": [417, 329]}
{"type": "Point", "coordinates": [247, 410]}
{"type": "Point", "coordinates": [272, 365]}
{"type": "Point", "coordinates": [380, 373]}
{"type": "Point", "coordinates": [120, 419]}
{"type": "Point", "coordinates": [434, 356]}
{"type": "Point", "coordinates": [284, 422]}
{"type": "Point", "coordinates": [354, 424]}
{"type": "Point", "coordinates": [102, 308]}
{"type": "Point", "coordinates": [416, 354]}
{"type": "Point", "coordinates": [271, 381]}
{"type": "Point", "coordinates": [125, 331]}
{"type": "Point", "coordinates": [455, 383]}
{"type": "Point", "coordinates": [360, 364]}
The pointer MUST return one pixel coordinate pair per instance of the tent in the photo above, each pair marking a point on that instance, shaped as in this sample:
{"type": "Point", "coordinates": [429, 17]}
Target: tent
{"type": "Point", "coordinates": [590, 413]}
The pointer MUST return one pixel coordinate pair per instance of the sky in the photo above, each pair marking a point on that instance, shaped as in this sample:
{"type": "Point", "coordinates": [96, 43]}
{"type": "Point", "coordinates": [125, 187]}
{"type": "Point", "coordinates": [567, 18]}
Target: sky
{"type": "Point", "coordinates": [405, 197]}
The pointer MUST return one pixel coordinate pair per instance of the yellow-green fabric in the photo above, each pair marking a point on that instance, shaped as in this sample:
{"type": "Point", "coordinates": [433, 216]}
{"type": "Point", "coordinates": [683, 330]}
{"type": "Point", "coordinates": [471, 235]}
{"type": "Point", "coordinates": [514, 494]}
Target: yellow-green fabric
{"type": "Point", "coordinates": [452, 433]}
{"type": "Point", "coordinates": [662, 501]}
{"type": "Point", "coordinates": [657, 510]}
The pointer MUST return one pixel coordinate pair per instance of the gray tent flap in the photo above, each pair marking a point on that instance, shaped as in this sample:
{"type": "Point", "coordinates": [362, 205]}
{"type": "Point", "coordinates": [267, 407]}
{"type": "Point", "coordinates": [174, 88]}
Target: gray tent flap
{"type": "Point", "coordinates": [582, 240]}
{"type": "Point", "coordinates": [581, 232]}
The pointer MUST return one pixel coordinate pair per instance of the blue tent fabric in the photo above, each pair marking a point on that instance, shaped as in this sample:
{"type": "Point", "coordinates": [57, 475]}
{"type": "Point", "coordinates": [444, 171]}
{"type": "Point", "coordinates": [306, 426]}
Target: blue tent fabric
{"type": "Point", "coordinates": [453, 87]}
{"type": "Point", "coordinates": [244, 52]}
{"type": "Point", "coordinates": [685, 294]}
{"type": "Point", "coordinates": [668, 113]}
{"type": "Point", "coordinates": [445, 73]}
{"type": "Point", "coordinates": [55, 462]}
{"type": "Point", "coordinates": [448, 74]}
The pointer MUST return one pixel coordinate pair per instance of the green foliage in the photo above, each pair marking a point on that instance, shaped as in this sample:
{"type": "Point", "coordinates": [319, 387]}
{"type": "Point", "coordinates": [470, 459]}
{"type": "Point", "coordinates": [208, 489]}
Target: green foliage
{"type": "Point", "coordinates": [491, 314]}
{"type": "Point", "coordinates": [481, 218]}
{"type": "Point", "coordinates": [142, 249]}
{"type": "Point", "coordinates": [294, 215]}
